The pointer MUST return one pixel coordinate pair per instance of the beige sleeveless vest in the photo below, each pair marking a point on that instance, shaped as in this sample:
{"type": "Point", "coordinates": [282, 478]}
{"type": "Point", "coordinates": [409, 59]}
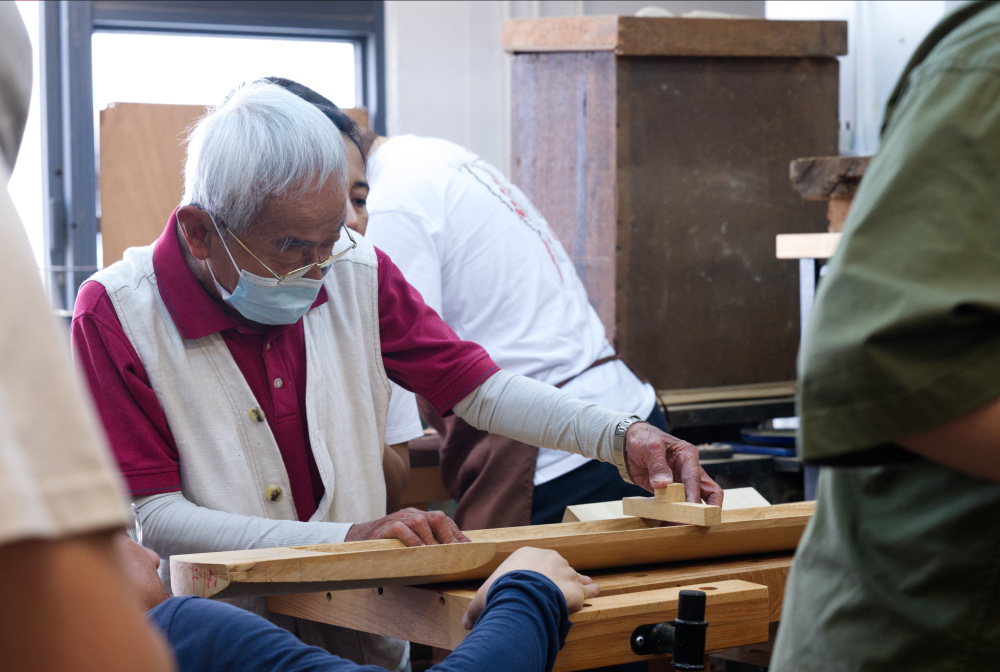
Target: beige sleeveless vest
{"type": "Point", "coordinates": [228, 460]}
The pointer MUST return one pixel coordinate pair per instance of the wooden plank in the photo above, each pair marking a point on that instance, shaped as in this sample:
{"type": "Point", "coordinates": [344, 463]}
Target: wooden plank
{"type": "Point", "coordinates": [586, 546]}
{"type": "Point", "coordinates": [677, 36]}
{"type": "Point", "coordinates": [806, 245]}
{"type": "Point", "coordinates": [264, 571]}
{"type": "Point", "coordinates": [822, 178]}
{"type": "Point", "coordinates": [699, 395]}
{"type": "Point", "coordinates": [668, 504]}
{"type": "Point", "coordinates": [736, 610]}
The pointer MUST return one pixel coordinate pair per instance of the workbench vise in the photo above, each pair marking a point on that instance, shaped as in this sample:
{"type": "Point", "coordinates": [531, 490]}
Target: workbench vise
{"type": "Point", "coordinates": [684, 637]}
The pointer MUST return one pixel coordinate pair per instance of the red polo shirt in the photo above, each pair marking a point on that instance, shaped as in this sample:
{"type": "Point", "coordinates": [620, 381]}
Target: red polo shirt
{"type": "Point", "coordinates": [419, 352]}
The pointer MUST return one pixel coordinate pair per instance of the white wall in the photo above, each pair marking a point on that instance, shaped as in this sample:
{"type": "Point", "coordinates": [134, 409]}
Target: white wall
{"type": "Point", "coordinates": [447, 75]}
{"type": "Point", "coordinates": [881, 37]}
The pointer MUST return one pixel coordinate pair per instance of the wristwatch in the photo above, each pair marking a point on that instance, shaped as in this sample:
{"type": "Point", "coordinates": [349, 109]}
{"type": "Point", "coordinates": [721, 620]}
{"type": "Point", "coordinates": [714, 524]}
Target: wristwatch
{"type": "Point", "coordinates": [618, 441]}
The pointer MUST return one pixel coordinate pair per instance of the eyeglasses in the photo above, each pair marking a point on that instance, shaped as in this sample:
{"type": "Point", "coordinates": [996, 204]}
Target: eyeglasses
{"type": "Point", "coordinates": [298, 272]}
{"type": "Point", "coordinates": [134, 530]}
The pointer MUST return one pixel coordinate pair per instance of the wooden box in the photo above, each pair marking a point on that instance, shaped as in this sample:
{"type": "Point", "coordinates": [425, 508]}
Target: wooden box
{"type": "Point", "coordinates": [658, 149]}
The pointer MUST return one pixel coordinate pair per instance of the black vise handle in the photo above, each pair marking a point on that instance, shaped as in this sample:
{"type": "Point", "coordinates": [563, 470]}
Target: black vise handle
{"type": "Point", "coordinates": [684, 637]}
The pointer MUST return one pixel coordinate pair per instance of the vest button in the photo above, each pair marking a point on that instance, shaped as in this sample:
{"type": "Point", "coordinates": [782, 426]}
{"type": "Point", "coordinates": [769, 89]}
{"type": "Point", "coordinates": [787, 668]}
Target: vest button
{"type": "Point", "coordinates": [273, 493]}
{"type": "Point", "coordinates": [256, 414]}
{"type": "Point", "coordinates": [278, 383]}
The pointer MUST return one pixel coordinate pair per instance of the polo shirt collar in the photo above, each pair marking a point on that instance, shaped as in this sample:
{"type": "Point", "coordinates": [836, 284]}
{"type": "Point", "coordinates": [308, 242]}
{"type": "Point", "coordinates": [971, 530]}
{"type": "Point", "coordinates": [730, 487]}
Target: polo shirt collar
{"type": "Point", "coordinates": [195, 312]}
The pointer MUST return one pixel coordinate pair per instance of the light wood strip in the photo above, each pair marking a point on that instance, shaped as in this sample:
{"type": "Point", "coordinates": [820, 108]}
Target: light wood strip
{"type": "Point", "coordinates": [806, 245]}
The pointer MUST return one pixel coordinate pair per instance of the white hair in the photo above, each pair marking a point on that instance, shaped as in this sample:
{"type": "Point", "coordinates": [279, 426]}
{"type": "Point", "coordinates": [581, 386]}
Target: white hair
{"type": "Point", "coordinates": [262, 143]}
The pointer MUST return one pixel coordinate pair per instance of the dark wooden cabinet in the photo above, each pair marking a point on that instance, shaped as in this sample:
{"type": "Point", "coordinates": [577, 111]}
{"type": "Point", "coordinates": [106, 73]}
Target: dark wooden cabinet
{"type": "Point", "coordinates": [659, 150]}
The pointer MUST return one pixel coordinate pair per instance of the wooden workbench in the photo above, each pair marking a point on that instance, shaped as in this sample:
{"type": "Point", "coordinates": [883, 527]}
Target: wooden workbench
{"type": "Point", "coordinates": [420, 594]}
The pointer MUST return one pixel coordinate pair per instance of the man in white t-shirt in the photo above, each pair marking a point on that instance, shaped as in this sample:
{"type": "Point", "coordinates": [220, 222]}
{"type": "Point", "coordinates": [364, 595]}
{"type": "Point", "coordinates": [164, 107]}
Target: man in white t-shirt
{"type": "Point", "coordinates": [485, 259]}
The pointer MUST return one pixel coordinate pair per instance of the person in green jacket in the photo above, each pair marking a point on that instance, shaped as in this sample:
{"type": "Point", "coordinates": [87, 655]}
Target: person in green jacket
{"type": "Point", "coordinates": [899, 386]}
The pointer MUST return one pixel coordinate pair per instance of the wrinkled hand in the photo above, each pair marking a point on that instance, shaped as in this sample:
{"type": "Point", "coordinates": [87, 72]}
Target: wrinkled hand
{"type": "Point", "coordinates": [576, 588]}
{"type": "Point", "coordinates": [411, 526]}
{"type": "Point", "coordinates": [656, 459]}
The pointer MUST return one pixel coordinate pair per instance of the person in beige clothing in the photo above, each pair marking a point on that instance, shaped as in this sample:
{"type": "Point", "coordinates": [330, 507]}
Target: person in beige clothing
{"type": "Point", "coordinates": [59, 575]}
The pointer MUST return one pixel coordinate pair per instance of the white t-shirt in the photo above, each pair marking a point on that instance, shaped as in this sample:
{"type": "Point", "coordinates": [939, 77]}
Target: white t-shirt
{"type": "Point", "coordinates": [483, 257]}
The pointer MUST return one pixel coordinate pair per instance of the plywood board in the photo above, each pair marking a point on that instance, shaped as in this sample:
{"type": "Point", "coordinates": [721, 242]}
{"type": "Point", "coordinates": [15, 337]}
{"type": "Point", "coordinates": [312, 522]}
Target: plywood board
{"type": "Point", "coordinates": [142, 156]}
{"type": "Point", "coordinates": [677, 36]}
{"type": "Point", "coordinates": [586, 546]}
{"type": "Point", "coordinates": [736, 610]}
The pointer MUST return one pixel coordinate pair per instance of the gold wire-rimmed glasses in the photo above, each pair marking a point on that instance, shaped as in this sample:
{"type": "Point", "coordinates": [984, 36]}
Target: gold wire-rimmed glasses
{"type": "Point", "coordinates": [298, 272]}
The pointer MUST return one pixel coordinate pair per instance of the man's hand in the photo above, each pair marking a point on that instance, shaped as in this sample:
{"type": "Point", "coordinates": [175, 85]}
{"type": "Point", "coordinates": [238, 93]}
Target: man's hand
{"type": "Point", "coordinates": [656, 459]}
{"type": "Point", "coordinates": [411, 526]}
{"type": "Point", "coordinates": [576, 588]}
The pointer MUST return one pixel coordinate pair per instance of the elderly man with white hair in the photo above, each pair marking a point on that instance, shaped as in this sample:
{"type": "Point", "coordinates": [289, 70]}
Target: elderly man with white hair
{"type": "Point", "coordinates": [241, 362]}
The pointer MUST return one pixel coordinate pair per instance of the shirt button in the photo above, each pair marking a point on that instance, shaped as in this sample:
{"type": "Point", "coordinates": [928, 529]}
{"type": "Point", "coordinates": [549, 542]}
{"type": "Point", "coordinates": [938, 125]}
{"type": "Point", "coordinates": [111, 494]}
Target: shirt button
{"type": "Point", "coordinates": [278, 383]}
{"type": "Point", "coordinates": [256, 414]}
{"type": "Point", "coordinates": [273, 493]}
{"type": "Point", "coordinates": [267, 346]}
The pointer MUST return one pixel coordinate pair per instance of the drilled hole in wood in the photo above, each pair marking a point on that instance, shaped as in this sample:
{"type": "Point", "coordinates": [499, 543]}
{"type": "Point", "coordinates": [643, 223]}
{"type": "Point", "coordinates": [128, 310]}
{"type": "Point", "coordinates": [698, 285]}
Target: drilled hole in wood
{"type": "Point", "coordinates": [441, 600]}
{"type": "Point", "coordinates": [587, 604]}
{"type": "Point", "coordinates": [329, 596]}
{"type": "Point", "coordinates": [702, 588]}
{"type": "Point", "coordinates": [380, 589]}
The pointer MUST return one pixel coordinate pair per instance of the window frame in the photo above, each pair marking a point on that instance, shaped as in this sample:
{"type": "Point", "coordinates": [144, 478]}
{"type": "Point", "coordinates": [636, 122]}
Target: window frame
{"type": "Point", "coordinates": [69, 182]}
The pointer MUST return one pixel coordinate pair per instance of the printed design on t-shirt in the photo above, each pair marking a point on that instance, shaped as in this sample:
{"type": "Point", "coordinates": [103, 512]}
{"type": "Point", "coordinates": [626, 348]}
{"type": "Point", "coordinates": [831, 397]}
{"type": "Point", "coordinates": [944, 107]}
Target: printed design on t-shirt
{"type": "Point", "coordinates": [516, 201]}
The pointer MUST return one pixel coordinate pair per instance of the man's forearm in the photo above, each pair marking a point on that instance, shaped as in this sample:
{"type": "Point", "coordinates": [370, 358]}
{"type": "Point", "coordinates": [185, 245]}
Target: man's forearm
{"type": "Point", "coordinates": [174, 525]}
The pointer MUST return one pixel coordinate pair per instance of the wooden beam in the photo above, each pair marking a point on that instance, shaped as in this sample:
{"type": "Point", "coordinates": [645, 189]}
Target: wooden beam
{"type": "Point", "coordinates": [644, 36]}
{"type": "Point", "coordinates": [737, 612]}
{"type": "Point", "coordinates": [586, 546]}
{"type": "Point", "coordinates": [668, 505]}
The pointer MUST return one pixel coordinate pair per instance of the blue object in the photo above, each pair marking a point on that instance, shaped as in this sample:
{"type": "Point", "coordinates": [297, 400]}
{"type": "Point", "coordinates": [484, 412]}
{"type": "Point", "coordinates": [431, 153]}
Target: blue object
{"type": "Point", "coordinates": [522, 628]}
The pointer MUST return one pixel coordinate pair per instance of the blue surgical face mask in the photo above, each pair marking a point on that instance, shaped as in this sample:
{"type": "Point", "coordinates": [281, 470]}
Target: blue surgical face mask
{"type": "Point", "coordinates": [266, 300]}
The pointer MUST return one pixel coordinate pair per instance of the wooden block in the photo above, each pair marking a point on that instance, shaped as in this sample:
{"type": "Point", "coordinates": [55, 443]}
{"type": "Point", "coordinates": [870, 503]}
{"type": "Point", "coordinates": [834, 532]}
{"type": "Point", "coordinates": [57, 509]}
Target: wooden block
{"type": "Point", "coordinates": [821, 178]}
{"type": "Point", "coordinates": [806, 245]}
{"type": "Point", "coordinates": [737, 612]}
{"type": "Point", "coordinates": [668, 504]}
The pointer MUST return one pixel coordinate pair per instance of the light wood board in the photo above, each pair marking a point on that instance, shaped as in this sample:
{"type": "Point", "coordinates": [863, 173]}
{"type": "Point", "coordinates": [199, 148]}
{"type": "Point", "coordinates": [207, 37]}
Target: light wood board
{"type": "Point", "coordinates": [585, 545]}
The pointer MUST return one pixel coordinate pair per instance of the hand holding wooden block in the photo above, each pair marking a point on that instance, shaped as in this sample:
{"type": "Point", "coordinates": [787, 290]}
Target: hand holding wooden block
{"type": "Point", "coordinates": [668, 504]}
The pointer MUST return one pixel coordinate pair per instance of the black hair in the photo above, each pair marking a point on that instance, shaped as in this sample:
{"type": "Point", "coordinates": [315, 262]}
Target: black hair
{"type": "Point", "coordinates": [344, 123]}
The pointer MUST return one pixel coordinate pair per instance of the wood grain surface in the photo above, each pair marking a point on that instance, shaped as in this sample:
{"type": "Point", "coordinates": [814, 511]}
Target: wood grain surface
{"type": "Point", "coordinates": [585, 545]}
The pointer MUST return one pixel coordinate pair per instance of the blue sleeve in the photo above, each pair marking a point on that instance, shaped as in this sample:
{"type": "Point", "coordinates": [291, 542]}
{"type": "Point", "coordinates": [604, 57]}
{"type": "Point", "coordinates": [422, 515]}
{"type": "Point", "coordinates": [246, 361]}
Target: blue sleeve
{"type": "Point", "coordinates": [209, 636]}
{"type": "Point", "coordinates": [522, 628]}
